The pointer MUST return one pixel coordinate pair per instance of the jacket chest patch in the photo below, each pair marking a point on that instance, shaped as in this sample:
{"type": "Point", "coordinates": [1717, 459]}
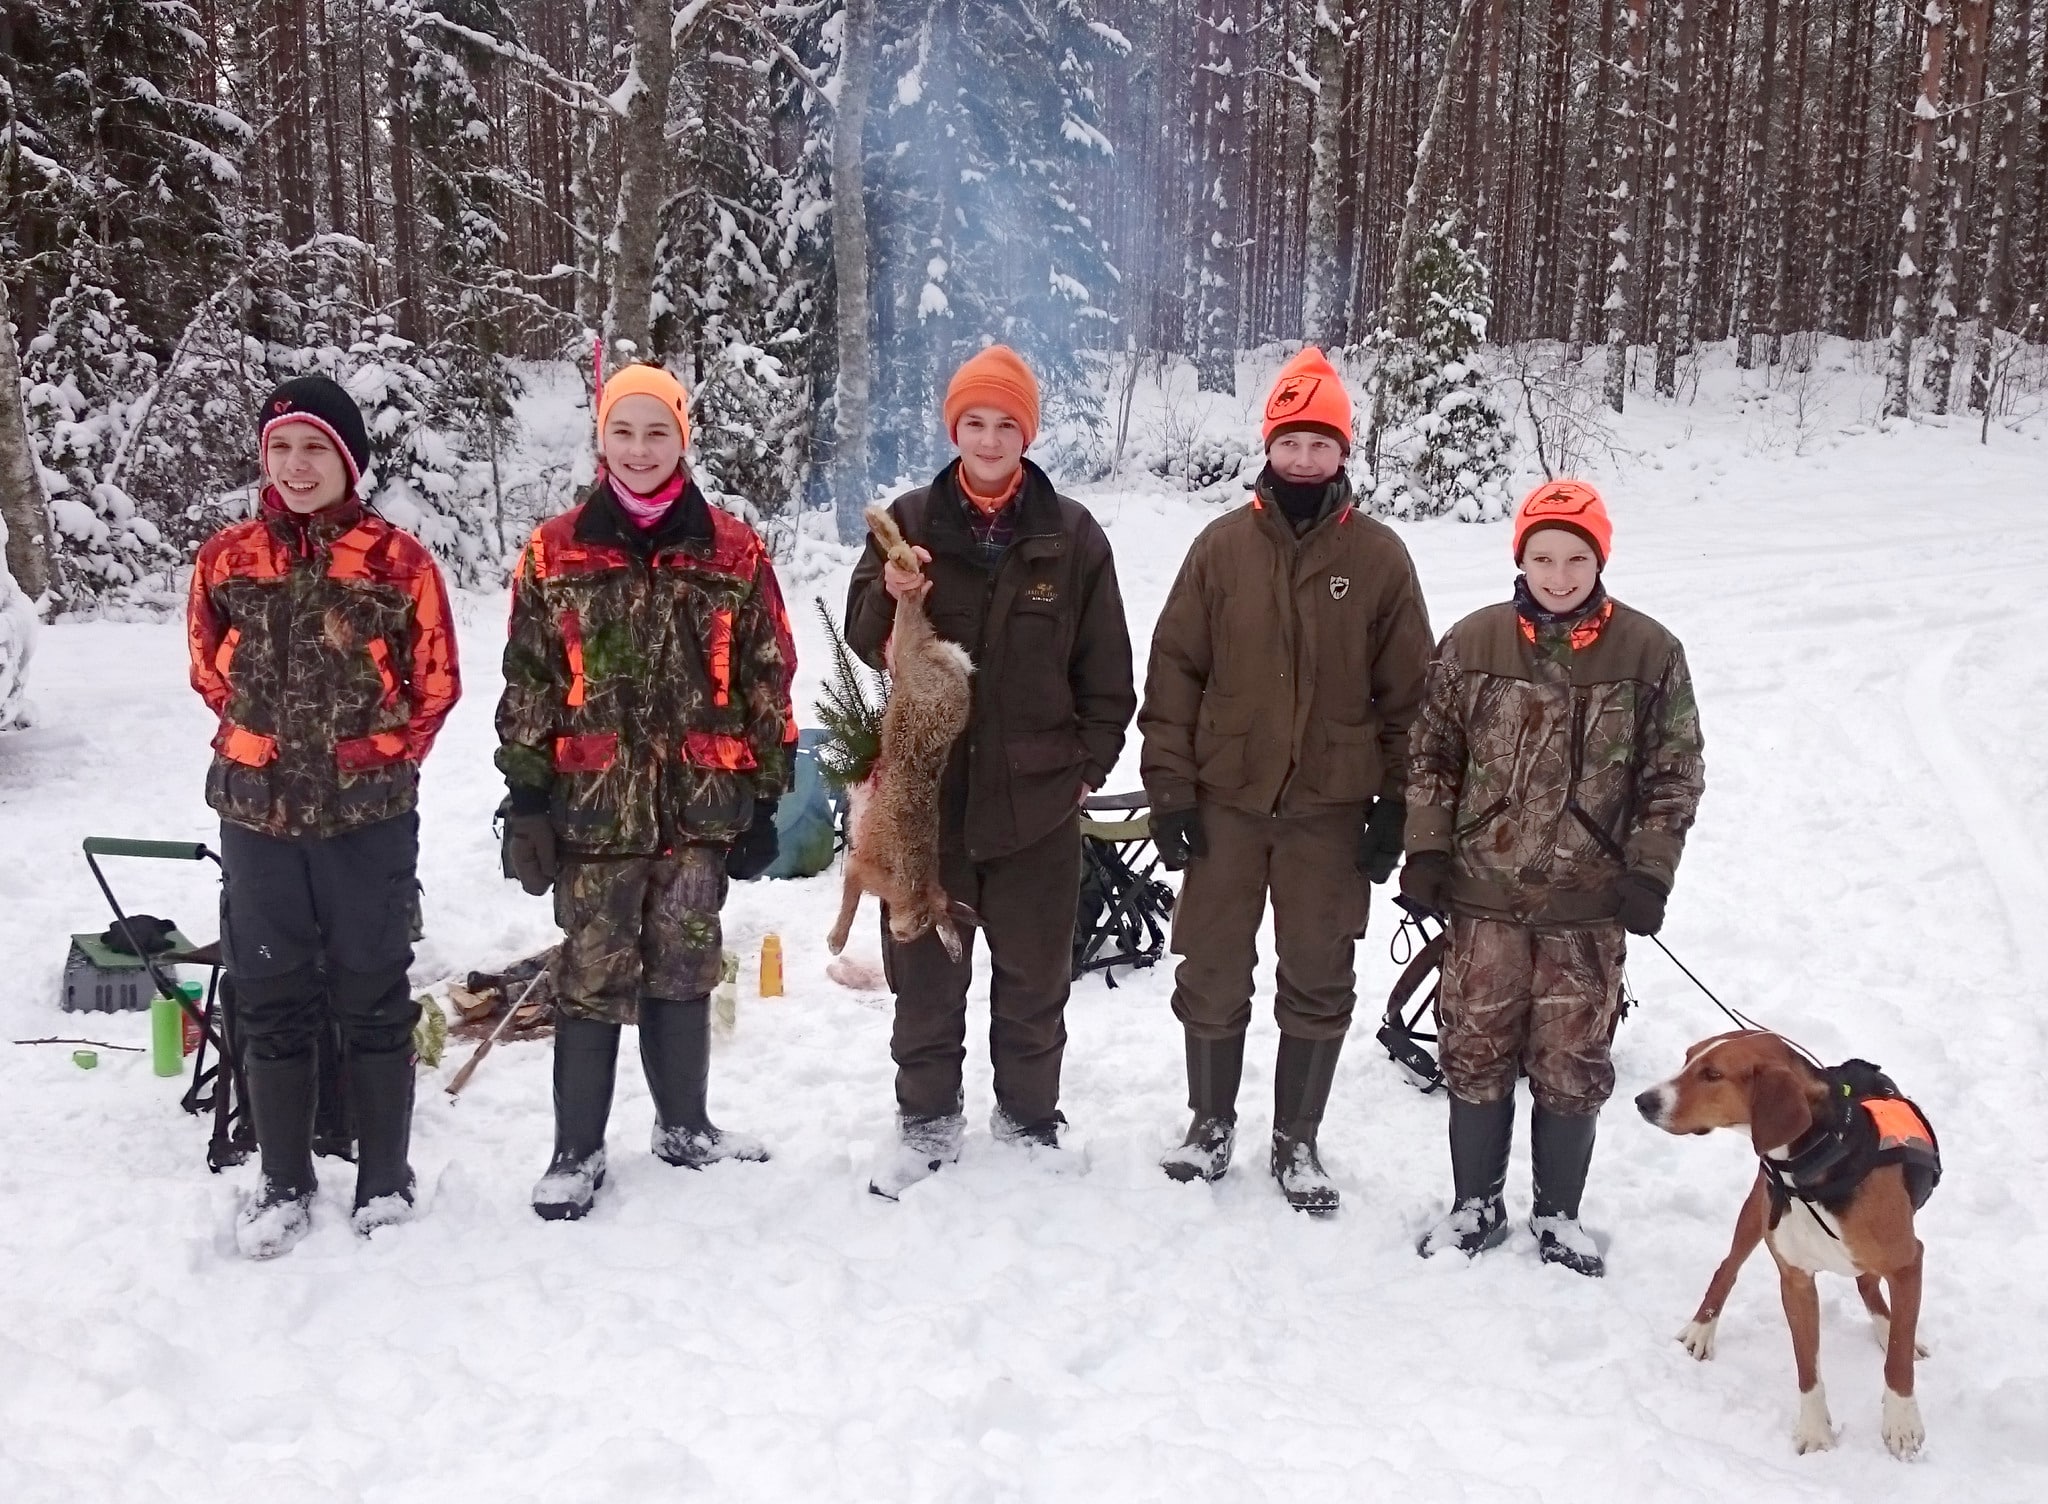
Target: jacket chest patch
{"type": "Point", "coordinates": [1340, 586]}
{"type": "Point", "coordinates": [1042, 593]}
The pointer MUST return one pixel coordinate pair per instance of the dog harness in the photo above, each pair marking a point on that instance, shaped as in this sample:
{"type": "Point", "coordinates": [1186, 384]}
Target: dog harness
{"type": "Point", "coordinates": [1865, 1123]}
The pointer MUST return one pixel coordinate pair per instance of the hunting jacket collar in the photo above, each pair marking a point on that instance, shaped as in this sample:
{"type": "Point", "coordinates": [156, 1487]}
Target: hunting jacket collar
{"type": "Point", "coordinates": [1038, 516]}
{"type": "Point", "coordinates": [686, 524]}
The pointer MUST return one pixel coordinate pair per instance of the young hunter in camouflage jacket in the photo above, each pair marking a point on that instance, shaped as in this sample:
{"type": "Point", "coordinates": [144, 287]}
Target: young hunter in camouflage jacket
{"type": "Point", "coordinates": [320, 635]}
{"type": "Point", "coordinates": [1553, 773]}
{"type": "Point", "coordinates": [646, 735]}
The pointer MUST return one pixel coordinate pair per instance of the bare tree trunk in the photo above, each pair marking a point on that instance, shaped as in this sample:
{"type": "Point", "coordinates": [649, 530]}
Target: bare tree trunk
{"type": "Point", "coordinates": [1322, 297]}
{"type": "Point", "coordinates": [23, 506]}
{"type": "Point", "coordinates": [1676, 160]}
{"type": "Point", "coordinates": [1588, 270]}
{"type": "Point", "coordinates": [1625, 277]}
{"type": "Point", "coordinates": [643, 156]}
{"type": "Point", "coordinates": [1993, 288]}
{"type": "Point", "coordinates": [1941, 353]}
{"type": "Point", "coordinates": [1785, 268]}
{"type": "Point", "coordinates": [1898, 383]}
{"type": "Point", "coordinates": [1758, 165]}
{"type": "Point", "coordinates": [585, 187]}
{"type": "Point", "coordinates": [855, 316]}
{"type": "Point", "coordinates": [1221, 128]}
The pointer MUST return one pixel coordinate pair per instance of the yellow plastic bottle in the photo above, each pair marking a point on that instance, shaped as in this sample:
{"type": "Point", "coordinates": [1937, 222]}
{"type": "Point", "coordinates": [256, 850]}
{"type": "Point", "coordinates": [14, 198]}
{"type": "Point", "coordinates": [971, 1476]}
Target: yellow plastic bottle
{"type": "Point", "coordinates": [771, 966]}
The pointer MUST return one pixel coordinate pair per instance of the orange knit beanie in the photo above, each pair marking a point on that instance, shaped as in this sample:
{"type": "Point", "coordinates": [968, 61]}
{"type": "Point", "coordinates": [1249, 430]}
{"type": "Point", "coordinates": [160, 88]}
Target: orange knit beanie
{"type": "Point", "coordinates": [997, 378]}
{"type": "Point", "coordinates": [643, 380]}
{"type": "Point", "coordinates": [1308, 393]}
{"type": "Point", "coordinates": [1570, 504]}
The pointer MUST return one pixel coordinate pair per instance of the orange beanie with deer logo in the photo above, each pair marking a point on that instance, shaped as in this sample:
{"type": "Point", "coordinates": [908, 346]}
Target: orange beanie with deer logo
{"type": "Point", "coordinates": [1570, 504]}
{"type": "Point", "coordinates": [1308, 393]}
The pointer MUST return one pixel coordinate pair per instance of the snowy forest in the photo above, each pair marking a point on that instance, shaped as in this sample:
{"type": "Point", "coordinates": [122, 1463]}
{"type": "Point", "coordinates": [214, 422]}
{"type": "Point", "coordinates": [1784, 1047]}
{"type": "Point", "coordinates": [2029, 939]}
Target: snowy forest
{"type": "Point", "coordinates": [812, 209]}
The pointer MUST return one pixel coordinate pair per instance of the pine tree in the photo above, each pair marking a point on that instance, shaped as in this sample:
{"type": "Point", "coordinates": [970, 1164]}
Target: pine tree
{"type": "Point", "coordinates": [850, 709]}
{"type": "Point", "coordinates": [1445, 446]}
{"type": "Point", "coordinates": [985, 121]}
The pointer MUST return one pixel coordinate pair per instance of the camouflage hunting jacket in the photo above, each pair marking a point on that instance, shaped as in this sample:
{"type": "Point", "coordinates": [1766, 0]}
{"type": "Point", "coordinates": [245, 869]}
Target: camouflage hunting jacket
{"type": "Point", "coordinates": [647, 678]}
{"type": "Point", "coordinates": [1549, 758]}
{"type": "Point", "coordinates": [324, 645]}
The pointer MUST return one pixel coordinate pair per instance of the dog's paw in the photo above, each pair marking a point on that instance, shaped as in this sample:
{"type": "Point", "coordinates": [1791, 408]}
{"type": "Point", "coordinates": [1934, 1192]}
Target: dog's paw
{"type": "Point", "coordinates": [1698, 1338]}
{"type": "Point", "coordinates": [1903, 1431]}
{"type": "Point", "coordinates": [1815, 1431]}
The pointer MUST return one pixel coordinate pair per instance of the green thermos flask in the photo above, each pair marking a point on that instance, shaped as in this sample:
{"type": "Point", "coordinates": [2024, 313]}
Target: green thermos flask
{"type": "Point", "coordinates": [167, 1035]}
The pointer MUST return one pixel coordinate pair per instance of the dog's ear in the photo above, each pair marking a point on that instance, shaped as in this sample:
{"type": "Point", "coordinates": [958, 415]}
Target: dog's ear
{"type": "Point", "coordinates": [1778, 1110]}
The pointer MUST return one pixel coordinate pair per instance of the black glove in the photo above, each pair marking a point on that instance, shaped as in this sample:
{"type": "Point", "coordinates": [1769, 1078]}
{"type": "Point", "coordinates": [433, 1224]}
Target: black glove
{"type": "Point", "coordinates": [1642, 903]}
{"type": "Point", "coordinates": [1379, 839]}
{"type": "Point", "coordinates": [530, 851]}
{"type": "Point", "coordinates": [1426, 881]}
{"type": "Point", "coordinates": [758, 846]}
{"type": "Point", "coordinates": [1179, 837]}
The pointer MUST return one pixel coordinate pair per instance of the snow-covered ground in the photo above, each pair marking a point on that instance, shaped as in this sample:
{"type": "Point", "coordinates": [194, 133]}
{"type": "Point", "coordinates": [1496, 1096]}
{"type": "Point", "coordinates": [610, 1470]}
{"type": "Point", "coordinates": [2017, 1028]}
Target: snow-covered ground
{"type": "Point", "coordinates": [1863, 613]}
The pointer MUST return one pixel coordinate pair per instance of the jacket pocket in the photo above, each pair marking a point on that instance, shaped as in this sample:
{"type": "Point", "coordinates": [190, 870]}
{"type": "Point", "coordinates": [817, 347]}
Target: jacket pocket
{"type": "Point", "coordinates": [363, 754]}
{"type": "Point", "coordinates": [1035, 688]}
{"type": "Point", "coordinates": [1222, 727]}
{"type": "Point", "coordinates": [1346, 764]}
{"type": "Point", "coordinates": [243, 747]}
{"type": "Point", "coordinates": [590, 752]}
{"type": "Point", "coordinates": [1042, 752]}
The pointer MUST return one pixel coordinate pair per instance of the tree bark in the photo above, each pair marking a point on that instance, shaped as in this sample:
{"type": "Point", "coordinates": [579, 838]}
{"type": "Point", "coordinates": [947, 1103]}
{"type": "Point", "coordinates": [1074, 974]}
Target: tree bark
{"type": "Point", "coordinates": [1993, 287]}
{"type": "Point", "coordinates": [855, 314]}
{"type": "Point", "coordinates": [1748, 285]}
{"type": "Point", "coordinates": [1322, 297]}
{"type": "Point", "coordinates": [23, 506]}
{"type": "Point", "coordinates": [1585, 276]}
{"type": "Point", "coordinates": [1676, 159]}
{"type": "Point", "coordinates": [1941, 353]}
{"type": "Point", "coordinates": [1898, 384]}
{"type": "Point", "coordinates": [1625, 278]}
{"type": "Point", "coordinates": [643, 157]}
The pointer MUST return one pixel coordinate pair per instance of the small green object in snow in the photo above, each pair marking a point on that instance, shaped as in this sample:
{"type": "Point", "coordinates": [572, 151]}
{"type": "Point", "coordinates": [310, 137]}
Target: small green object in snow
{"type": "Point", "coordinates": [85, 1060]}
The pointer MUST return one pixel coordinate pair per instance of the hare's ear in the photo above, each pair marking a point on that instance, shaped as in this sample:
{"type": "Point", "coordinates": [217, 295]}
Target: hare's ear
{"type": "Point", "coordinates": [1779, 1113]}
{"type": "Point", "coordinates": [963, 912]}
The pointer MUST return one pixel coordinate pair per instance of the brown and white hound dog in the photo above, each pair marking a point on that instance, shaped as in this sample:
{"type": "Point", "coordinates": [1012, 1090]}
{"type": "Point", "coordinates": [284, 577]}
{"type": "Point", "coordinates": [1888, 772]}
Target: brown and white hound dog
{"type": "Point", "coordinates": [1832, 1194]}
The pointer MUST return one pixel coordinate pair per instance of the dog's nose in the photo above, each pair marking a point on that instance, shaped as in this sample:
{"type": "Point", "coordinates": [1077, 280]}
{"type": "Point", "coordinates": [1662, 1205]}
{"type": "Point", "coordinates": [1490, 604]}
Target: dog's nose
{"type": "Point", "coordinates": [1651, 1103]}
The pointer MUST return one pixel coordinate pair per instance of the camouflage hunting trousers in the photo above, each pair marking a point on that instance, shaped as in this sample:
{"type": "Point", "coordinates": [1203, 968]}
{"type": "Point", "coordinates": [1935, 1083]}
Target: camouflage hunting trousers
{"type": "Point", "coordinates": [638, 927]}
{"type": "Point", "coordinates": [1546, 1001]}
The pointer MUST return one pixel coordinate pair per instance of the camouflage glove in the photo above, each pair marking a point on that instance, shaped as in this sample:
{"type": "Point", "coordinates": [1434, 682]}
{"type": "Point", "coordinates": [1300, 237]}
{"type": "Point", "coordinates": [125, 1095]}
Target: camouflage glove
{"type": "Point", "coordinates": [1426, 881]}
{"type": "Point", "coordinates": [758, 846]}
{"type": "Point", "coordinates": [1642, 903]}
{"type": "Point", "coordinates": [530, 851]}
{"type": "Point", "coordinates": [1179, 837]}
{"type": "Point", "coordinates": [1379, 839]}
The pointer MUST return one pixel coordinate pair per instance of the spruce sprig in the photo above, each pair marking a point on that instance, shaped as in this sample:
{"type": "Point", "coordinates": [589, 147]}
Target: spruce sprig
{"type": "Point", "coordinates": [850, 710]}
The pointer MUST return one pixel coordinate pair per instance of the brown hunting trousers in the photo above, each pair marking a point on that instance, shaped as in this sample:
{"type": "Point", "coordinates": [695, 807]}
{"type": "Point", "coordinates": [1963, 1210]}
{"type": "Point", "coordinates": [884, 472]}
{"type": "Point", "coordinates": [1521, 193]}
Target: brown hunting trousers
{"type": "Point", "coordinates": [1309, 864]}
{"type": "Point", "coordinates": [1026, 903]}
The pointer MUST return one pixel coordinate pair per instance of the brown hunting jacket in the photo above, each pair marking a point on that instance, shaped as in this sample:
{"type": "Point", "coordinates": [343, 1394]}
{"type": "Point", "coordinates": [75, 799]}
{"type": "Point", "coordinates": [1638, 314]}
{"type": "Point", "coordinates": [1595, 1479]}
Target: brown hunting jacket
{"type": "Point", "coordinates": [1285, 669]}
{"type": "Point", "coordinates": [325, 646]}
{"type": "Point", "coordinates": [1053, 691]}
{"type": "Point", "coordinates": [1550, 758]}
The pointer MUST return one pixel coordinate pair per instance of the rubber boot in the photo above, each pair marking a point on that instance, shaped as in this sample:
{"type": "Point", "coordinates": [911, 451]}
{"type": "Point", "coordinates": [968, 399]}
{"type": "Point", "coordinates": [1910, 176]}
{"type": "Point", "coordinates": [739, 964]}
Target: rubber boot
{"type": "Point", "coordinates": [1481, 1133]}
{"type": "Point", "coordinates": [1215, 1067]}
{"type": "Point", "coordinates": [586, 1067]}
{"type": "Point", "coordinates": [675, 1051]}
{"type": "Point", "coordinates": [1302, 1077]}
{"type": "Point", "coordinates": [1561, 1148]}
{"type": "Point", "coordinates": [381, 1088]}
{"type": "Point", "coordinates": [281, 1105]}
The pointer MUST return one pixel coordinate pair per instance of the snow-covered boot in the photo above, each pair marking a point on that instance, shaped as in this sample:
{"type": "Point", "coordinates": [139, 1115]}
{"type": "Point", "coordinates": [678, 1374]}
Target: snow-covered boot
{"type": "Point", "coordinates": [1040, 1142]}
{"type": "Point", "coordinates": [281, 1101]}
{"type": "Point", "coordinates": [922, 1147]}
{"type": "Point", "coordinates": [381, 1087]}
{"type": "Point", "coordinates": [1561, 1148]}
{"type": "Point", "coordinates": [1302, 1077]}
{"type": "Point", "coordinates": [1215, 1066]}
{"type": "Point", "coordinates": [1481, 1133]}
{"type": "Point", "coordinates": [675, 1051]}
{"type": "Point", "coordinates": [586, 1065]}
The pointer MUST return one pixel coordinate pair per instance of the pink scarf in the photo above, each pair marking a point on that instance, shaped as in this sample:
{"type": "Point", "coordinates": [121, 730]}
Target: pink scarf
{"type": "Point", "coordinates": [646, 511]}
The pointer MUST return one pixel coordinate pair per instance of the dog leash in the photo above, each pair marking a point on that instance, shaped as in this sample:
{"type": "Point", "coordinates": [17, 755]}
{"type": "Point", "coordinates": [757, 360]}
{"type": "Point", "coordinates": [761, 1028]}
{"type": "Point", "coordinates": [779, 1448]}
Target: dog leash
{"type": "Point", "coordinates": [1741, 1020]}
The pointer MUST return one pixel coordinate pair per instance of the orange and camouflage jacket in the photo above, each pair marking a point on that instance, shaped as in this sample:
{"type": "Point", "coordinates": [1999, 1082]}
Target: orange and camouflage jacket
{"type": "Point", "coordinates": [1550, 758]}
{"type": "Point", "coordinates": [647, 678]}
{"type": "Point", "coordinates": [324, 645]}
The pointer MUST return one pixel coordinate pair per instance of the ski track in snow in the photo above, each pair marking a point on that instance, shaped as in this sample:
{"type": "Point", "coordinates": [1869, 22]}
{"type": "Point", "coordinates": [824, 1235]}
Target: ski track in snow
{"type": "Point", "coordinates": [1866, 875]}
